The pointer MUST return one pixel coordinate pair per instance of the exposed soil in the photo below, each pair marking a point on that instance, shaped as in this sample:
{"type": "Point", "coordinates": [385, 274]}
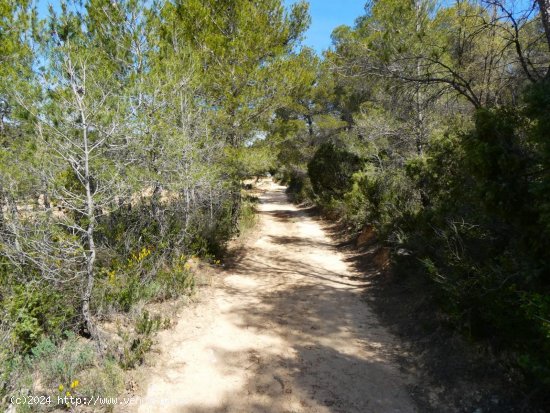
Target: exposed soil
{"type": "Point", "coordinates": [284, 328]}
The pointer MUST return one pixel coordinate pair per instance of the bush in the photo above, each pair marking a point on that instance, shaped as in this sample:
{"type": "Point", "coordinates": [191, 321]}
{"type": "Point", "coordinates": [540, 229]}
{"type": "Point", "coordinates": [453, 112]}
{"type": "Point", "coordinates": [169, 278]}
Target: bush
{"type": "Point", "coordinates": [62, 365]}
{"type": "Point", "coordinates": [174, 281]}
{"type": "Point", "coordinates": [71, 368]}
{"type": "Point", "coordinates": [36, 313]}
{"type": "Point", "coordinates": [248, 217]}
{"type": "Point", "coordinates": [480, 235]}
{"type": "Point", "coordinates": [136, 346]}
{"type": "Point", "coordinates": [298, 184]}
{"type": "Point", "coordinates": [144, 277]}
{"type": "Point", "coordinates": [106, 380]}
{"type": "Point", "coordinates": [330, 171]}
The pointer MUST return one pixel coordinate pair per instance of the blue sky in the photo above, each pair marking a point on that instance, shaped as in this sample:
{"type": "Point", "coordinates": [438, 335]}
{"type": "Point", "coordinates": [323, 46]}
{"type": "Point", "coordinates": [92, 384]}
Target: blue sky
{"type": "Point", "coordinates": [325, 16]}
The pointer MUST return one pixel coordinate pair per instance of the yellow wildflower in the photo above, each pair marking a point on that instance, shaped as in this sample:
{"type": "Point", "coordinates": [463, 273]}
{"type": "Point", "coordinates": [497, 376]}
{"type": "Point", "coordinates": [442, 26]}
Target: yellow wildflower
{"type": "Point", "coordinates": [112, 276]}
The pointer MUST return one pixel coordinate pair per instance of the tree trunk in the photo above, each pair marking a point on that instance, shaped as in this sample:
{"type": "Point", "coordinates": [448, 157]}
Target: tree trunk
{"type": "Point", "coordinates": [91, 248]}
{"type": "Point", "coordinates": [544, 6]}
{"type": "Point", "coordinates": [11, 209]}
{"type": "Point", "coordinates": [155, 201]}
{"type": "Point", "coordinates": [211, 205]}
{"type": "Point", "coordinates": [309, 120]}
{"type": "Point", "coordinates": [90, 266]}
{"type": "Point", "coordinates": [3, 204]}
{"type": "Point", "coordinates": [187, 207]}
{"type": "Point", "coordinates": [235, 207]}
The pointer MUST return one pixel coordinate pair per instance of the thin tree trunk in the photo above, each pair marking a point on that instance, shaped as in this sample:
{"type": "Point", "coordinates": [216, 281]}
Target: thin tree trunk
{"type": "Point", "coordinates": [91, 253]}
{"type": "Point", "coordinates": [235, 206]}
{"type": "Point", "coordinates": [45, 196]}
{"type": "Point", "coordinates": [309, 120]}
{"type": "Point", "coordinates": [155, 201]}
{"type": "Point", "coordinates": [11, 207]}
{"type": "Point", "coordinates": [187, 207]}
{"type": "Point", "coordinates": [211, 205]}
{"type": "Point", "coordinates": [544, 6]}
{"type": "Point", "coordinates": [3, 204]}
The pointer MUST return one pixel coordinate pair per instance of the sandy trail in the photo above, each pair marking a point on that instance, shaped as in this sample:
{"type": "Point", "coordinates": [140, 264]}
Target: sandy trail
{"type": "Point", "coordinates": [285, 330]}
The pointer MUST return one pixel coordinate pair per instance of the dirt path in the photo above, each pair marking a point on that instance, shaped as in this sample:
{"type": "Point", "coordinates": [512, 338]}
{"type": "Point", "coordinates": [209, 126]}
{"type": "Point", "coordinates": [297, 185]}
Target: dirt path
{"type": "Point", "coordinates": [285, 330]}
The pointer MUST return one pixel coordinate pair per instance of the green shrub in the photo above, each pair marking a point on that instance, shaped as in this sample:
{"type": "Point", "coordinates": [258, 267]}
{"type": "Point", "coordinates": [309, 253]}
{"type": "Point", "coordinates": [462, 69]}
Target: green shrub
{"type": "Point", "coordinates": [105, 380]}
{"type": "Point", "coordinates": [138, 345]}
{"type": "Point", "coordinates": [147, 325]}
{"type": "Point", "coordinates": [61, 365]}
{"type": "Point", "coordinates": [35, 313]}
{"type": "Point", "coordinates": [480, 235]}
{"type": "Point", "coordinates": [134, 354]}
{"type": "Point", "coordinates": [475, 211]}
{"type": "Point", "coordinates": [330, 171]}
{"type": "Point", "coordinates": [357, 203]}
{"type": "Point", "coordinates": [174, 281]}
{"type": "Point", "coordinates": [11, 368]}
{"type": "Point", "coordinates": [248, 217]}
{"type": "Point", "coordinates": [298, 184]}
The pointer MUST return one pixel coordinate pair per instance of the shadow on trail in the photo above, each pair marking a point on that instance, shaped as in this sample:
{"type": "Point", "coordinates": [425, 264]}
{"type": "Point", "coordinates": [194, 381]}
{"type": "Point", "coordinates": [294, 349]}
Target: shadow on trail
{"type": "Point", "coordinates": [285, 214]}
{"type": "Point", "coordinates": [273, 391]}
{"type": "Point", "coordinates": [336, 357]}
{"type": "Point", "coordinates": [316, 321]}
{"type": "Point", "coordinates": [298, 241]}
{"type": "Point", "coordinates": [288, 266]}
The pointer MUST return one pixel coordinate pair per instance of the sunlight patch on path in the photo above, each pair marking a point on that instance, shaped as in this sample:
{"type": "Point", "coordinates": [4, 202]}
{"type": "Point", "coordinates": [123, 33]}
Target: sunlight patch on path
{"type": "Point", "coordinates": [284, 330]}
